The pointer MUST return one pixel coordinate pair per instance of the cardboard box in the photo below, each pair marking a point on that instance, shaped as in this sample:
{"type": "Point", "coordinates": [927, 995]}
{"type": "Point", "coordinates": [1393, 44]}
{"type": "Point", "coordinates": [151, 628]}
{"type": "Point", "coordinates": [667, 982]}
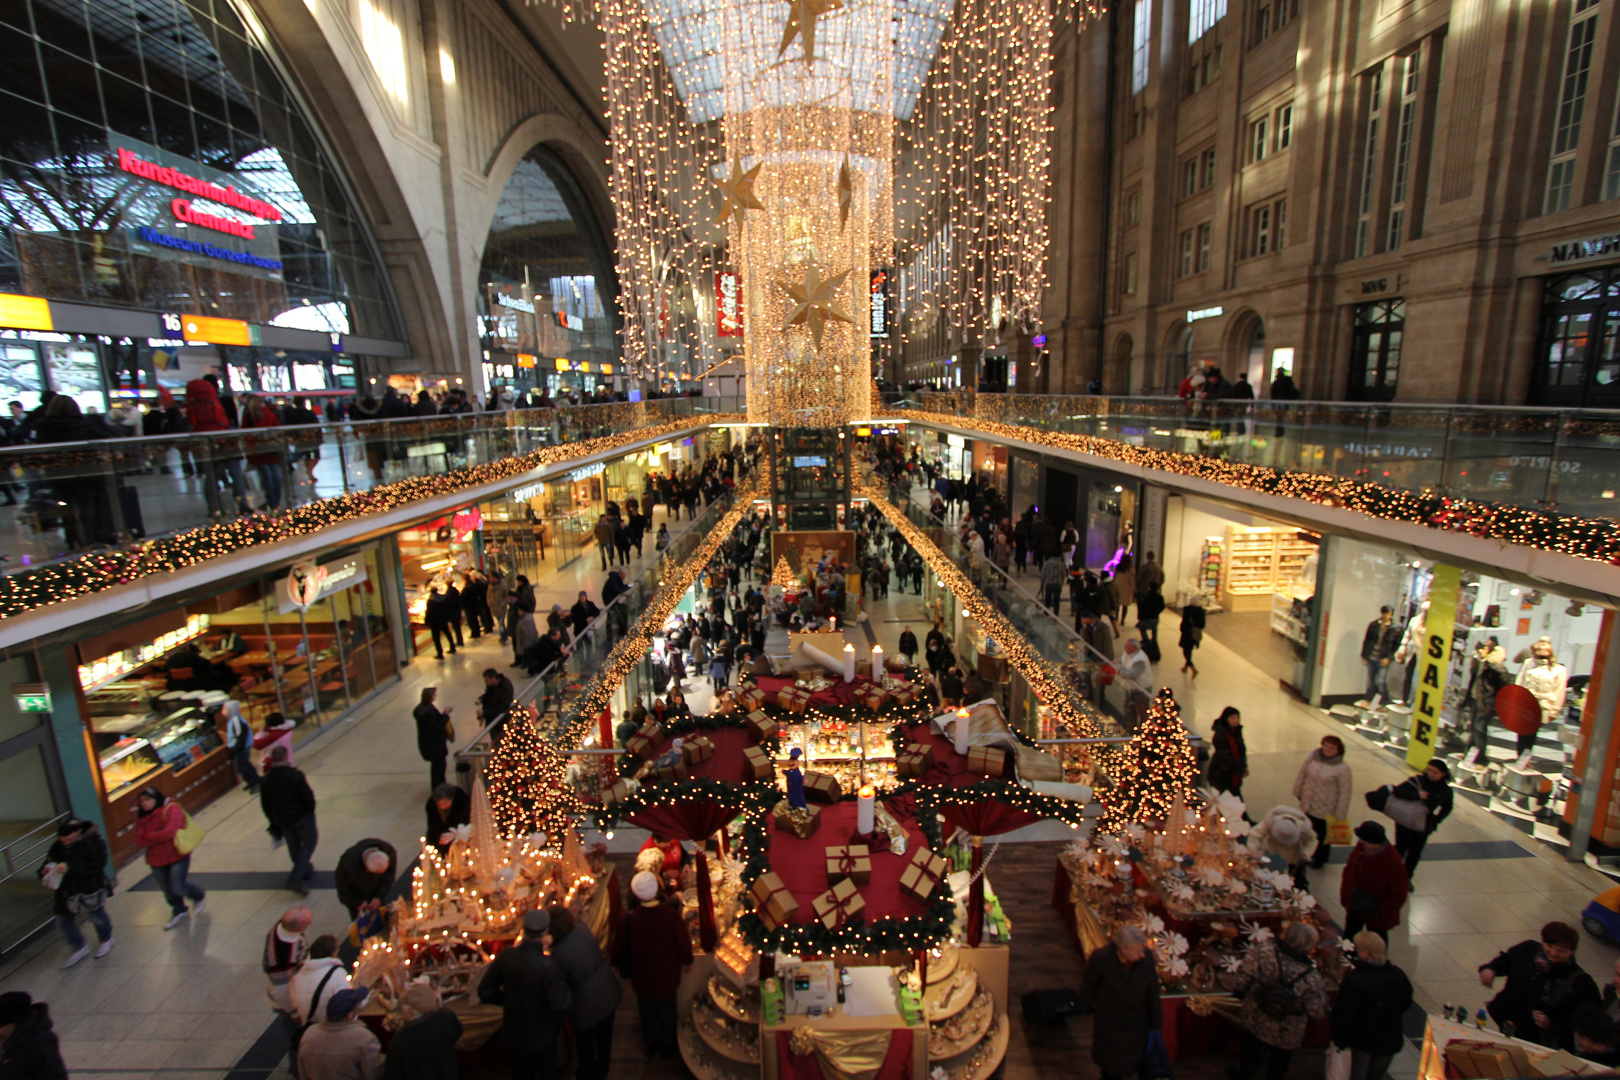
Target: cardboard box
{"type": "Point", "coordinates": [775, 904]}
{"type": "Point", "coordinates": [750, 698]}
{"type": "Point", "coordinates": [760, 764]}
{"type": "Point", "coordinates": [929, 861]}
{"type": "Point", "coordinates": [926, 749]}
{"type": "Point", "coordinates": [761, 728]}
{"type": "Point", "coordinates": [989, 760]}
{"type": "Point", "coordinates": [616, 792]}
{"type": "Point", "coordinates": [667, 774]}
{"type": "Point", "coordinates": [910, 764]}
{"type": "Point", "coordinates": [917, 883]}
{"type": "Point", "coordinates": [905, 693]}
{"type": "Point", "coordinates": [801, 823]}
{"type": "Point", "coordinates": [1561, 1063]}
{"type": "Point", "coordinates": [853, 861]}
{"type": "Point", "coordinates": [872, 695]}
{"type": "Point", "coordinates": [644, 743]}
{"type": "Point", "coordinates": [838, 905]}
{"type": "Point", "coordinates": [821, 788]}
{"type": "Point", "coordinates": [794, 699]}
{"type": "Point", "coordinates": [694, 750]}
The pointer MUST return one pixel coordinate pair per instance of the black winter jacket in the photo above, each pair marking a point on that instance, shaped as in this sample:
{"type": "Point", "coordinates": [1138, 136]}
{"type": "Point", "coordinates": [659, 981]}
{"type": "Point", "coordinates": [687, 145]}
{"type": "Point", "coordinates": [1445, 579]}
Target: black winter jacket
{"type": "Point", "coordinates": [424, 1049]}
{"type": "Point", "coordinates": [1536, 986]}
{"type": "Point", "coordinates": [285, 796]}
{"type": "Point", "coordinates": [531, 988]}
{"type": "Point", "coordinates": [31, 1051]}
{"type": "Point", "coordinates": [595, 988]}
{"type": "Point", "coordinates": [86, 860]}
{"type": "Point", "coordinates": [432, 741]}
{"type": "Point", "coordinates": [1126, 1004]}
{"type": "Point", "coordinates": [1372, 1000]}
{"type": "Point", "coordinates": [356, 884]}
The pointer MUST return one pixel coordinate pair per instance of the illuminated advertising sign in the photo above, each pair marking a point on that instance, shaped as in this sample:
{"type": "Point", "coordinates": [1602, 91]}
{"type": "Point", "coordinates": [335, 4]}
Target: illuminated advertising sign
{"type": "Point", "coordinates": [728, 304]}
{"type": "Point", "coordinates": [880, 303]}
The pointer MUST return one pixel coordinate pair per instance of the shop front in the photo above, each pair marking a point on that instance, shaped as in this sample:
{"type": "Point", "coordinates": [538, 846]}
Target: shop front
{"type": "Point", "coordinates": [433, 556]}
{"type": "Point", "coordinates": [294, 651]}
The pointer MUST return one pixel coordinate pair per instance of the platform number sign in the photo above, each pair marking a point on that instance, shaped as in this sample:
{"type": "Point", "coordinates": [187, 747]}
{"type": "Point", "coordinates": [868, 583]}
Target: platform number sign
{"type": "Point", "coordinates": [1434, 662]}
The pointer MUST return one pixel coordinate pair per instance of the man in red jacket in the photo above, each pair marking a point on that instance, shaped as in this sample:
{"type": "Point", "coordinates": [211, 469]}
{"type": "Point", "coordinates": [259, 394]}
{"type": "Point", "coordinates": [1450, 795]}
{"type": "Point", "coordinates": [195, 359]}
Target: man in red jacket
{"type": "Point", "coordinates": [1375, 886]}
{"type": "Point", "coordinates": [653, 949]}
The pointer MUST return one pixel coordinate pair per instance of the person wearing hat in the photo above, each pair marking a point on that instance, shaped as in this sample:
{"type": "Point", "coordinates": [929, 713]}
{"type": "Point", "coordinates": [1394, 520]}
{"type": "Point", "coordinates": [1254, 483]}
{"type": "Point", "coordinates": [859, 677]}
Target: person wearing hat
{"type": "Point", "coordinates": [425, 1048]}
{"type": "Point", "coordinates": [795, 779]}
{"type": "Point", "coordinates": [533, 992]}
{"type": "Point", "coordinates": [653, 949]}
{"type": "Point", "coordinates": [28, 1046]}
{"type": "Point", "coordinates": [77, 862]}
{"type": "Point", "coordinates": [341, 1047]}
{"type": "Point", "coordinates": [364, 875]}
{"type": "Point", "coordinates": [1374, 886]}
{"type": "Point", "coordinates": [1286, 832]}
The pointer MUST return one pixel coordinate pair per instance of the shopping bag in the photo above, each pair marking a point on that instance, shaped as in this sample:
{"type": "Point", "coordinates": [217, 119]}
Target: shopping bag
{"type": "Point", "coordinates": [1337, 1060]}
{"type": "Point", "coordinates": [1105, 675]}
{"type": "Point", "coordinates": [187, 839]}
{"type": "Point", "coordinates": [1376, 799]}
{"type": "Point", "coordinates": [1156, 1058]}
{"type": "Point", "coordinates": [1338, 831]}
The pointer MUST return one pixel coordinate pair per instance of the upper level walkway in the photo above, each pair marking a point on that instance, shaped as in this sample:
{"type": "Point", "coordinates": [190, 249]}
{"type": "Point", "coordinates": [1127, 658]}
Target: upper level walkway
{"type": "Point", "coordinates": [1528, 493]}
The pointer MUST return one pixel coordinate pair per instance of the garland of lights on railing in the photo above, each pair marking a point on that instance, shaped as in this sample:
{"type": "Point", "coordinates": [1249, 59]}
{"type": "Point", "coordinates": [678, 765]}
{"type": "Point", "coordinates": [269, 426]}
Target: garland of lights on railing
{"type": "Point", "coordinates": [1597, 540]}
{"type": "Point", "coordinates": [1049, 686]}
{"type": "Point", "coordinates": [93, 572]}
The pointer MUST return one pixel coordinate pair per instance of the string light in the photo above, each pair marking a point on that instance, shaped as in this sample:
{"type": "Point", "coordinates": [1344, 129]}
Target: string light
{"type": "Point", "coordinates": [1597, 540]}
{"type": "Point", "coordinates": [527, 782]}
{"type": "Point", "coordinates": [1158, 766]}
{"type": "Point", "coordinates": [70, 579]}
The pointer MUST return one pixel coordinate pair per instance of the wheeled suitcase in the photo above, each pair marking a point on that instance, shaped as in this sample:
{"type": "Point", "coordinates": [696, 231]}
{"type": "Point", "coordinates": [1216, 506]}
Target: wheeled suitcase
{"type": "Point", "coordinates": [1152, 650]}
{"type": "Point", "coordinates": [1050, 1007]}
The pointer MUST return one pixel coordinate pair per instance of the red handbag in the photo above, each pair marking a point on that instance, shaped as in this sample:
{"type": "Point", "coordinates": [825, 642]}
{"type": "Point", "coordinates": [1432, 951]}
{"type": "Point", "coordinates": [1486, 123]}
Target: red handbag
{"type": "Point", "coordinates": [1106, 675]}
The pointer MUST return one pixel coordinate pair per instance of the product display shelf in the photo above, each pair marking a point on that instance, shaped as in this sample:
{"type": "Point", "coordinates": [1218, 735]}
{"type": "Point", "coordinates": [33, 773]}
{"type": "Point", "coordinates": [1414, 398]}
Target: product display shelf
{"type": "Point", "coordinates": [741, 1006]}
{"type": "Point", "coordinates": [960, 1034]}
{"type": "Point", "coordinates": [737, 1042]}
{"type": "Point", "coordinates": [986, 1058]}
{"type": "Point", "coordinates": [1283, 620]}
{"type": "Point", "coordinates": [945, 999]}
{"type": "Point", "coordinates": [941, 967]}
{"type": "Point", "coordinates": [705, 1064]}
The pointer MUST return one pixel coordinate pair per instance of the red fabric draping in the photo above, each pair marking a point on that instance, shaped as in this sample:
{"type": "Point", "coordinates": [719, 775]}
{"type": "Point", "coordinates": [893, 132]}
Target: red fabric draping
{"type": "Point", "coordinates": [697, 820]}
{"type": "Point", "coordinates": [727, 764]}
{"type": "Point", "coordinates": [986, 817]}
{"type": "Point", "coordinates": [802, 864]}
{"type": "Point", "coordinates": [896, 1062]}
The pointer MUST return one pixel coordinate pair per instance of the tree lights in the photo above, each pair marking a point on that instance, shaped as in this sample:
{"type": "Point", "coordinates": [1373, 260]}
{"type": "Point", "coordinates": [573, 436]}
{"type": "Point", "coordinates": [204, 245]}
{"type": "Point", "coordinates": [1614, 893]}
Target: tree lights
{"type": "Point", "coordinates": [1157, 768]}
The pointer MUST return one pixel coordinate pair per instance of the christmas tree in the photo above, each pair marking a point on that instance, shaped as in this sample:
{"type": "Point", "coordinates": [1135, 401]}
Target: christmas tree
{"type": "Point", "coordinates": [1159, 770]}
{"type": "Point", "coordinates": [528, 786]}
{"type": "Point", "coordinates": [782, 575]}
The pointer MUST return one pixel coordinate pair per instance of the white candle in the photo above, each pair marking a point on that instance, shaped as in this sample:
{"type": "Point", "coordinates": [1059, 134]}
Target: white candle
{"type": "Point", "coordinates": [849, 662]}
{"type": "Point", "coordinates": [961, 731]}
{"type": "Point", "coordinates": [866, 810]}
{"type": "Point", "coordinates": [878, 675]}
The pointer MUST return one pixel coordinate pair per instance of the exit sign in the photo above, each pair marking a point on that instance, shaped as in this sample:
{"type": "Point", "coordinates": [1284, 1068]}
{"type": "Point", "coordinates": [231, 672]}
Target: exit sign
{"type": "Point", "coordinates": [31, 697]}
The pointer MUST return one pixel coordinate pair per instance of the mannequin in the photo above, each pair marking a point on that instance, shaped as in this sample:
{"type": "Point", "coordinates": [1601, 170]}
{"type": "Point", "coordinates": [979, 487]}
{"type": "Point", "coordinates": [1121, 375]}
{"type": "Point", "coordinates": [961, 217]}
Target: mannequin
{"type": "Point", "coordinates": [1487, 673]}
{"type": "Point", "coordinates": [1410, 644]}
{"type": "Point", "coordinates": [1548, 680]}
{"type": "Point", "coordinates": [1377, 649]}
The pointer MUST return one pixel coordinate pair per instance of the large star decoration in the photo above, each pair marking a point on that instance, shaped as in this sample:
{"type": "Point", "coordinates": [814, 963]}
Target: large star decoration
{"type": "Point", "coordinates": [846, 193]}
{"type": "Point", "coordinates": [801, 24]}
{"type": "Point", "coordinates": [816, 302]}
{"type": "Point", "coordinates": [738, 189]}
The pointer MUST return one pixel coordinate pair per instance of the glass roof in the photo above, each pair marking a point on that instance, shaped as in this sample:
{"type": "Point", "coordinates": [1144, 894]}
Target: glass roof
{"type": "Point", "coordinates": [690, 35]}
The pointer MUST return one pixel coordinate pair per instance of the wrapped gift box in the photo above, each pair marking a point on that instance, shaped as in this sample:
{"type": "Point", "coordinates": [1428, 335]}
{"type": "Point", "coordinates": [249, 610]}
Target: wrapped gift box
{"type": "Point", "coordinates": [911, 764]}
{"type": "Point", "coordinates": [667, 774]}
{"type": "Point", "coordinates": [919, 880]}
{"type": "Point", "coordinates": [760, 765]}
{"type": "Point", "coordinates": [905, 693]}
{"type": "Point", "coordinates": [697, 749]}
{"type": "Point", "coordinates": [616, 792]}
{"type": "Point", "coordinates": [776, 904]}
{"type": "Point", "coordinates": [644, 743]}
{"type": "Point", "coordinates": [820, 787]}
{"type": "Point", "coordinates": [838, 905]}
{"type": "Point", "coordinates": [801, 823]}
{"type": "Point", "coordinates": [761, 728]}
{"type": "Point", "coordinates": [794, 699]}
{"type": "Point", "coordinates": [934, 865]}
{"type": "Point", "coordinates": [989, 760]}
{"type": "Point", "coordinates": [925, 749]}
{"type": "Point", "coordinates": [750, 698]}
{"type": "Point", "coordinates": [853, 861]}
{"type": "Point", "coordinates": [872, 695]}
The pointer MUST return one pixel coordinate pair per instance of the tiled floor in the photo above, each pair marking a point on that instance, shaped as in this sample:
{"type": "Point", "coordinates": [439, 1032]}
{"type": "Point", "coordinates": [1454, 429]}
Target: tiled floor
{"type": "Point", "coordinates": [194, 997]}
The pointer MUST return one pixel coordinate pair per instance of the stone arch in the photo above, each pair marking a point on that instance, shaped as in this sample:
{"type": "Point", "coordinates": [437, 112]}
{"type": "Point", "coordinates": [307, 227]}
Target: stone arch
{"type": "Point", "coordinates": [1176, 358]}
{"type": "Point", "coordinates": [1244, 349]}
{"type": "Point", "coordinates": [583, 151]}
{"type": "Point", "coordinates": [1123, 375]}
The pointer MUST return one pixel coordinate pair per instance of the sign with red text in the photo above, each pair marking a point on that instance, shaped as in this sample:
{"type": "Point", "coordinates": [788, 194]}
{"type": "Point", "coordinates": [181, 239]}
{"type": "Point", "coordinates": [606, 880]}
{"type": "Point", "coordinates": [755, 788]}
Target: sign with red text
{"type": "Point", "coordinates": [728, 312]}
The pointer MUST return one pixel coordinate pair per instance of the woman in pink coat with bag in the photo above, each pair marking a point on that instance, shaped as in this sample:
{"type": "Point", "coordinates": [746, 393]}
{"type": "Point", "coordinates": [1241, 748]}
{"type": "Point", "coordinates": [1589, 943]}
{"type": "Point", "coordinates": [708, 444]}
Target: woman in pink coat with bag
{"type": "Point", "coordinates": [157, 822]}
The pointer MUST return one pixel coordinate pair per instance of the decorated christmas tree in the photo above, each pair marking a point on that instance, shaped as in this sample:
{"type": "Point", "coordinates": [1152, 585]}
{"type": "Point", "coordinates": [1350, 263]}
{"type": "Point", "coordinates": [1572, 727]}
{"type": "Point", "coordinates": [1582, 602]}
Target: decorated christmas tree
{"type": "Point", "coordinates": [782, 575]}
{"type": "Point", "coordinates": [528, 786]}
{"type": "Point", "coordinates": [1160, 769]}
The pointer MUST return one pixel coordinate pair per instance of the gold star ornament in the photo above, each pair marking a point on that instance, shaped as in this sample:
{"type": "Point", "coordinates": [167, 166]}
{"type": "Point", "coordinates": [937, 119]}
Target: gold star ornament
{"type": "Point", "coordinates": [816, 303]}
{"type": "Point", "coordinates": [846, 193]}
{"type": "Point", "coordinates": [738, 189]}
{"type": "Point", "coordinates": [801, 24]}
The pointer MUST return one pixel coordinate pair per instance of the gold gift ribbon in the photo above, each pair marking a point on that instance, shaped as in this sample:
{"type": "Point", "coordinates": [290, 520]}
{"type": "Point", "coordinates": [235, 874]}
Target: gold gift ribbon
{"type": "Point", "coordinates": [1209, 1004]}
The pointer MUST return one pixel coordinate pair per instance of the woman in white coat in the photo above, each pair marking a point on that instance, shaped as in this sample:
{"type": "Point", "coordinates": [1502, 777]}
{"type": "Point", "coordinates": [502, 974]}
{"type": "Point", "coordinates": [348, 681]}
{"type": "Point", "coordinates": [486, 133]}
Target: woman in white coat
{"type": "Point", "coordinates": [1285, 832]}
{"type": "Point", "coordinates": [1323, 790]}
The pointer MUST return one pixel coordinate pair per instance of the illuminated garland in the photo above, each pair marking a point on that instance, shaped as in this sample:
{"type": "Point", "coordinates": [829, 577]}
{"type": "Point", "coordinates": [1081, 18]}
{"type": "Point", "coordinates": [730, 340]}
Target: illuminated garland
{"type": "Point", "coordinates": [57, 583]}
{"type": "Point", "coordinates": [698, 789]}
{"type": "Point", "coordinates": [1158, 764]}
{"type": "Point", "coordinates": [1597, 540]}
{"type": "Point", "coordinates": [526, 781]}
{"type": "Point", "coordinates": [634, 646]}
{"type": "Point", "coordinates": [931, 798]}
{"type": "Point", "coordinates": [1043, 678]}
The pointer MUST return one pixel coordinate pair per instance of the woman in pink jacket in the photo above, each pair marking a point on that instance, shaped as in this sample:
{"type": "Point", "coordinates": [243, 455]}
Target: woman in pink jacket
{"type": "Point", "coordinates": [156, 822]}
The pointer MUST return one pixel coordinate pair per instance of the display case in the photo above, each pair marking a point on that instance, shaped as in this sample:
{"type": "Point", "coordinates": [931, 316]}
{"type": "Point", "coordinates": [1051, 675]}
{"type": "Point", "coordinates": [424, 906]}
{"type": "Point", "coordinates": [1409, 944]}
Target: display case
{"type": "Point", "coordinates": [129, 746]}
{"type": "Point", "coordinates": [1261, 562]}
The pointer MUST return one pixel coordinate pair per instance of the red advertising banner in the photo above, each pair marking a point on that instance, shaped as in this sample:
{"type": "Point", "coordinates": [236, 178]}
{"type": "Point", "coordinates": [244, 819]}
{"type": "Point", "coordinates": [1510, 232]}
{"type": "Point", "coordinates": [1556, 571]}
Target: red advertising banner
{"type": "Point", "coordinates": [728, 304]}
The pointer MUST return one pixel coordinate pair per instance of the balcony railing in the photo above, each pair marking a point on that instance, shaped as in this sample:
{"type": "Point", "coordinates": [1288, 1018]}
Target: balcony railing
{"type": "Point", "coordinates": [1566, 460]}
{"type": "Point", "coordinates": [77, 496]}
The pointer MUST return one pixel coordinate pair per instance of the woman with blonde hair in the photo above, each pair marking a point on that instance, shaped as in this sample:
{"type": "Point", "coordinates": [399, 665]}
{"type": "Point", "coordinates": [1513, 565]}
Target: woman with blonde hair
{"type": "Point", "coordinates": [1367, 1018]}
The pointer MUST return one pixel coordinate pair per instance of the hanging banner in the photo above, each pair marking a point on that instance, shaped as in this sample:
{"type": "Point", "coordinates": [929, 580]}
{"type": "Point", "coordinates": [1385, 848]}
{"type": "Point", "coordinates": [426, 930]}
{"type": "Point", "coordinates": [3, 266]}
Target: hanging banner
{"type": "Point", "coordinates": [728, 304]}
{"type": "Point", "coordinates": [1434, 664]}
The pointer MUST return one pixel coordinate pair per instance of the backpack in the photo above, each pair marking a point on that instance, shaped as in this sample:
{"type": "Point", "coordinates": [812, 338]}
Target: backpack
{"type": "Point", "coordinates": [1280, 1000]}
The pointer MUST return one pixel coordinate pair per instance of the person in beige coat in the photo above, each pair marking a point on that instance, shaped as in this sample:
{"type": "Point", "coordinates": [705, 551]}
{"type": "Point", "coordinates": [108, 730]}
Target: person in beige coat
{"type": "Point", "coordinates": [1322, 789]}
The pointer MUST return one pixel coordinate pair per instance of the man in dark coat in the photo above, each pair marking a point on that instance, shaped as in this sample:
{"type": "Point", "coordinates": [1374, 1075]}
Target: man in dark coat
{"type": "Point", "coordinates": [365, 874]}
{"type": "Point", "coordinates": [425, 1048]}
{"type": "Point", "coordinates": [447, 808]}
{"type": "Point", "coordinates": [1121, 989]}
{"type": "Point", "coordinates": [596, 991]}
{"type": "Point", "coordinates": [289, 806]}
{"type": "Point", "coordinates": [497, 697]}
{"type": "Point", "coordinates": [1545, 986]}
{"type": "Point", "coordinates": [908, 645]}
{"type": "Point", "coordinates": [28, 1046]}
{"type": "Point", "coordinates": [533, 991]}
{"type": "Point", "coordinates": [432, 735]}
{"type": "Point", "coordinates": [1374, 886]}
